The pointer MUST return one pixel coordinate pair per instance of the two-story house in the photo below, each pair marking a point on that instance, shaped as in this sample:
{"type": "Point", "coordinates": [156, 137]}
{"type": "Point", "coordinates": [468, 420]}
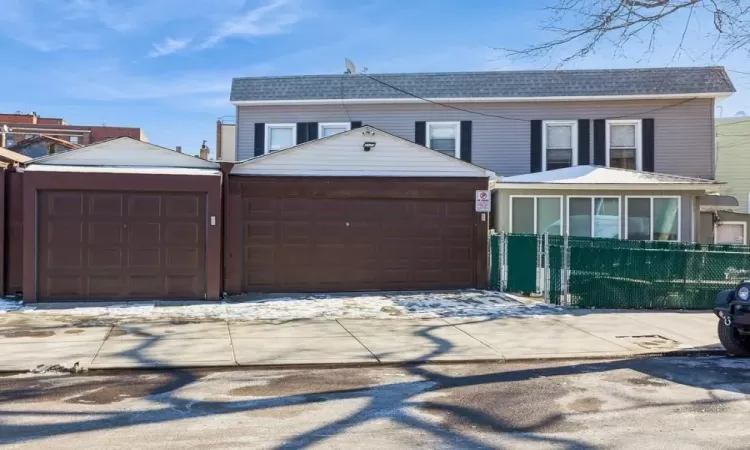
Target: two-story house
{"type": "Point", "coordinates": [624, 153]}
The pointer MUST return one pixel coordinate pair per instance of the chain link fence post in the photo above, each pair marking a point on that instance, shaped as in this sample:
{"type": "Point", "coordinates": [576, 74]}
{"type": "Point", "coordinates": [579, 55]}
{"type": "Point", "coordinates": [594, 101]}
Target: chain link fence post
{"type": "Point", "coordinates": [546, 271]}
{"type": "Point", "coordinates": [539, 262]}
{"type": "Point", "coordinates": [565, 271]}
{"type": "Point", "coordinates": [503, 262]}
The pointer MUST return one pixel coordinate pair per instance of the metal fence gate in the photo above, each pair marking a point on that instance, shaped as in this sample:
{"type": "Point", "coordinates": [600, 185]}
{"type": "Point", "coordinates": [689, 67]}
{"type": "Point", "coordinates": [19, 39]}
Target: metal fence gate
{"type": "Point", "coordinates": [613, 273]}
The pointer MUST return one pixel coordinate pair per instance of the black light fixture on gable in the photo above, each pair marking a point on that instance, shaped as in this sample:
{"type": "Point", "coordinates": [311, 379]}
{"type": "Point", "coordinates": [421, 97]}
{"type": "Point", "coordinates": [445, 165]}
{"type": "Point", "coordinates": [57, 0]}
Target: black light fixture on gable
{"type": "Point", "coordinates": [367, 146]}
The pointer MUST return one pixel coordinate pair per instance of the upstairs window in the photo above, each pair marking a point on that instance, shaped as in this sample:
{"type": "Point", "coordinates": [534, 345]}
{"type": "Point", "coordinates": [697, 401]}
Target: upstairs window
{"type": "Point", "coordinates": [280, 136]}
{"type": "Point", "coordinates": [74, 139]}
{"type": "Point", "coordinates": [444, 137]}
{"type": "Point", "coordinates": [624, 144]}
{"type": "Point", "coordinates": [329, 129]}
{"type": "Point", "coordinates": [559, 144]}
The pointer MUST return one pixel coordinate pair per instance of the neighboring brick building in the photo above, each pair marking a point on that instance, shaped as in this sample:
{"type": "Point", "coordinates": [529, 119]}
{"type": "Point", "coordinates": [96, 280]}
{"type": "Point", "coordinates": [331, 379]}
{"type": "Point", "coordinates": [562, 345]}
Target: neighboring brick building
{"type": "Point", "coordinates": [26, 126]}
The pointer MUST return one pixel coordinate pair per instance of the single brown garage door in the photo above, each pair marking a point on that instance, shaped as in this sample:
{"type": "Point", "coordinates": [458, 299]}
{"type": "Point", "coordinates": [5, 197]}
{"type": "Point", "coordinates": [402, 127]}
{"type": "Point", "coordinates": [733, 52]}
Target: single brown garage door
{"type": "Point", "coordinates": [338, 235]}
{"type": "Point", "coordinates": [111, 245]}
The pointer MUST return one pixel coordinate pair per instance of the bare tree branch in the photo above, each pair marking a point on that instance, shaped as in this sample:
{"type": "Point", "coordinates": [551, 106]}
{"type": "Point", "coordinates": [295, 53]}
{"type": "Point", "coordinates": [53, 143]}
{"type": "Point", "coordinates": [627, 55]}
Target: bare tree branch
{"type": "Point", "coordinates": [585, 25]}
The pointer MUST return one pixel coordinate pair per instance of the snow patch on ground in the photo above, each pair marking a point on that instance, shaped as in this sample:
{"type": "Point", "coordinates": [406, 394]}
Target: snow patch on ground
{"type": "Point", "coordinates": [362, 306]}
{"type": "Point", "coordinates": [10, 305]}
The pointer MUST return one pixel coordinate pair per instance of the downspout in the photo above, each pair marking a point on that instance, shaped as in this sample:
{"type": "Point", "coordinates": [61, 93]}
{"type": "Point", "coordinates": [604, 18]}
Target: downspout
{"type": "Point", "coordinates": [226, 168]}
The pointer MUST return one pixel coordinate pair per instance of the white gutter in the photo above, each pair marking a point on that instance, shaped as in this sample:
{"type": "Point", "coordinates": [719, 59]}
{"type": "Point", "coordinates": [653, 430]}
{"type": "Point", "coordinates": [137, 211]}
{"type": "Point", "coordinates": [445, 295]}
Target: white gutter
{"type": "Point", "coordinates": [369, 101]}
{"type": "Point", "coordinates": [708, 187]}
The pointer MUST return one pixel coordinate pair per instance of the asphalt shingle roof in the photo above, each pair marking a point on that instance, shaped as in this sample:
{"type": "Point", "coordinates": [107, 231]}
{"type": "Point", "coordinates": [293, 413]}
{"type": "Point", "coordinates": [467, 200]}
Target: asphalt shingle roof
{"type": "Point", "coordinates": [538, 83]}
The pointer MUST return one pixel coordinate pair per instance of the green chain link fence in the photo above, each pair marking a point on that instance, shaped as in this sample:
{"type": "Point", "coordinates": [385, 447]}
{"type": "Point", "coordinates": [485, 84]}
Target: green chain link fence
{"type": "Point", "coordinates": [613, 273]}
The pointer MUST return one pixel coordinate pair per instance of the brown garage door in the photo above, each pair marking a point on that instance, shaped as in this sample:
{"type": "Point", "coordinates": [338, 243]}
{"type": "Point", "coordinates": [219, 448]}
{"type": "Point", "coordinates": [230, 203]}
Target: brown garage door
{"type": "Point", "coordinates": [109, 245]}
{"type": "Point", "coordinates": [337, 235]}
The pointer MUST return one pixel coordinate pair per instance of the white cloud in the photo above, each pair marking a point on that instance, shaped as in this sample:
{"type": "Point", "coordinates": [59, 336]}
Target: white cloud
{"type": "Point", "coordinates": [272, 18]}
{"type": "Point", "coordinates": [168, 47]}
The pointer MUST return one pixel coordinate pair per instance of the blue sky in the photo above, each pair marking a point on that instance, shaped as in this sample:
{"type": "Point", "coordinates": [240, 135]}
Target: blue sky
{"type": "Point", "coordinates": [167, 65]}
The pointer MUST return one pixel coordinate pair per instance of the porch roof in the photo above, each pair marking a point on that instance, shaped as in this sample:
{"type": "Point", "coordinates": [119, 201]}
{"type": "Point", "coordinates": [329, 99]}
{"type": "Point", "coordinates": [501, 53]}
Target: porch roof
{"type": "Point", "coordinates": [598, 177]}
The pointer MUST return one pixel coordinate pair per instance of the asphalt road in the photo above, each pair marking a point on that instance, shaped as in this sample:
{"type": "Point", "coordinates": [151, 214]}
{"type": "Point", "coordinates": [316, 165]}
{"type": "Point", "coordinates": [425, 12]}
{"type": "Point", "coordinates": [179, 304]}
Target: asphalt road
{"type": "Point", "coordinates": [658, 403]}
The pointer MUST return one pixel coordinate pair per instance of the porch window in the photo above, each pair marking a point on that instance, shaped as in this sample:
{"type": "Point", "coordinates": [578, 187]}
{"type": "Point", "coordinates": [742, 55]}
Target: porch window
{"type": "Point", "coordinates": [280, 136]}
{"type": "Point", "coordinates": [329, 129]}
{"type": "Point", "coordinates": [653, 218]}
{"type": "Point", "coordinates": [444, 137]}
{"type": "Point", "coordinates": [536, 215]}
{"type": "Point", "coordinates": [559, 144]}
{"type": "Point", "coordinates": [594, 217]}
{"type": "Point", "coordinates": [623, 144]}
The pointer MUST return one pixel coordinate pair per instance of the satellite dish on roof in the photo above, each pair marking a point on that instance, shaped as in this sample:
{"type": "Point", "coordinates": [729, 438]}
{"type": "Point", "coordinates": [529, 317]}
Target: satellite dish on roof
{"type": "Point", "coordinates": [350, 67]}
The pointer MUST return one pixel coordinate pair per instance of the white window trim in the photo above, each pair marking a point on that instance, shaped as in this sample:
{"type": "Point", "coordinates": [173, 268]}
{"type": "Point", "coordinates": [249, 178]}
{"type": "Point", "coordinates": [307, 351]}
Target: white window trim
{"type": "Point", "coordinates": [293, 126]}
{"type": "Point", "coordinates": [347, 125]}
{"type": "Point", "coordinates": [744, 230]}
{"type": "Point", "coordinates": [651, 219]}
{"type": "Point", "coordinates": [458, 135]}
{"type": "Point", "coordinates": [638, 140]}
{"type": "Point", "coordinates": [592, 197]}
{"type": "Point", "coordinates": [536, 201]}
{"type": "Point", "coordinates": [574, 138]}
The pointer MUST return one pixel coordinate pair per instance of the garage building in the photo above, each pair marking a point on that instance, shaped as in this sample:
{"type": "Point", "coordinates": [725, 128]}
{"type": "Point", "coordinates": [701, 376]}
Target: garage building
{"type": "Point", "coordinates": [358, 211]}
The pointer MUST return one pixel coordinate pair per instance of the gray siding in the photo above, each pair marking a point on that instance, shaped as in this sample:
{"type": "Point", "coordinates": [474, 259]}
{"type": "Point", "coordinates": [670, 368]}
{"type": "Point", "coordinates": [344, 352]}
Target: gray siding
{"type": "Point", "coordinates": [684, 138]}
{"type": "Point", "coordinates": [688, 211]}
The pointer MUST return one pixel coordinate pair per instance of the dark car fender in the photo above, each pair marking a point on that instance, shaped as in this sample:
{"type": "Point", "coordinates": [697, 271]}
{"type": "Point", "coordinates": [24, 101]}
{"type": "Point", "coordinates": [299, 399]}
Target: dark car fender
{"type": "Point", "coordinates": [724, 298]}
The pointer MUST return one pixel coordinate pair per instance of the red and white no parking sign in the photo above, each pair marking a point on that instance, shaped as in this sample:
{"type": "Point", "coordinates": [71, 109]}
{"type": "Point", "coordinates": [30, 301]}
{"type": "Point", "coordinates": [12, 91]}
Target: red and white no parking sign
{"type": "Point", "coordinates": [482, 201]}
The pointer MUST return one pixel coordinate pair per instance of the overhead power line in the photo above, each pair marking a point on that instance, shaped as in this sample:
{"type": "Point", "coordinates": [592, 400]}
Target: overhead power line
{"type": "Point", "coordinates": [518, 119]}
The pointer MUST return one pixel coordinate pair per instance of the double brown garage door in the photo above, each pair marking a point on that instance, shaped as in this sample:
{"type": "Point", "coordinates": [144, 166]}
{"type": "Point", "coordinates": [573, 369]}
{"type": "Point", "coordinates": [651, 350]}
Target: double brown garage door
{"type": "Point", "coordinates": [108, 245]}
{"type": "Point", "coordinates": [358, 234]}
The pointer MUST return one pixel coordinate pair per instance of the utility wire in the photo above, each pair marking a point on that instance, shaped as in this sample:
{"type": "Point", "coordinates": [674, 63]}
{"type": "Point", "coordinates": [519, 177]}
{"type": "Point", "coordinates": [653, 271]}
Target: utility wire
{"type": "Point", "coordinates": [479, 113]}
{"type": "Point", "coordinates": [343, 103]}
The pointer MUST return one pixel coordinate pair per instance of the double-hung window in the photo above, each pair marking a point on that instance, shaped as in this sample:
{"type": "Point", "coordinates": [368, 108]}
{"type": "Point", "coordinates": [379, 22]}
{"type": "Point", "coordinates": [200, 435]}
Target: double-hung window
{"type": "Point", "coordinates": [594, 217]}
{"type": "Point", "coordinates": [537, 215]}
{"type": "Point", "coordinates": [560, 142]}
{"type": "Point", "coordinates": [280, 136]}
{"type": "Point", "coordinates": [329, 129]}
{"type": "Point", "coordinates": [653, 218]}
{"type": "Point", "coordinates": [444, 137]}
{"type": "Point", "coordinates": [624, 144]}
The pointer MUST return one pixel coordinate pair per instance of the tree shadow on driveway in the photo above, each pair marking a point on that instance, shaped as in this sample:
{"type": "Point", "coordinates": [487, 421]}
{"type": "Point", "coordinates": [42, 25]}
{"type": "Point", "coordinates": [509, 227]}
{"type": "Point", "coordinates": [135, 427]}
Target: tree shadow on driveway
{"type": "Point", "coordinates": [397, 401]}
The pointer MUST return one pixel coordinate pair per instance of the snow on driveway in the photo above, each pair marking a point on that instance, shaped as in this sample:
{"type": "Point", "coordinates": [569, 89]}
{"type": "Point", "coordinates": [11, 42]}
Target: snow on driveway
{"type": "Point", "coordinates": [360, 306]}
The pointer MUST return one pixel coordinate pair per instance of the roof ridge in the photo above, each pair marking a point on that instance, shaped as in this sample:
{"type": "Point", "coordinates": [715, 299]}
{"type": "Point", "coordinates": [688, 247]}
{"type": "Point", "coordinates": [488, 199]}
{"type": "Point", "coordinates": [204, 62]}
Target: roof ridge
{"type": "Point", "coordinates": [485, 72]}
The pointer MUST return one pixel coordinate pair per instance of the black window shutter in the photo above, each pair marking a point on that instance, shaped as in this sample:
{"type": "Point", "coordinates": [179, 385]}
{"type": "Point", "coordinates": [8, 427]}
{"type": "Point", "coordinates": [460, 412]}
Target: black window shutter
{"type": "Point", "coordinates": [584, 146]}
{"type": "Point", "coordinates": [536, 146]}
{"type": "Point", "coordinates": [356, 125]}
{"type": "Point", "coordinates": [302, 132]}
{"type": "Point", "coordinates": [600, 142]}
{"type": "Point", "coordinates": [466, 140]}
{"type": "Point", "coordinates": [312, 131]}
{"type": "Point", "coordinates": [260, 139]}
{"type": "Point", "coordinates": [647, 134]}
{"type": "Point", "coordinates": [420, 133]}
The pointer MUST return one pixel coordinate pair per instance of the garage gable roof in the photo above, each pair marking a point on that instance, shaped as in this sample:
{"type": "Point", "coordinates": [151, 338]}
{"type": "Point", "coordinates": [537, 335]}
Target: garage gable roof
{"type": "Point", "coordinates": [344, 154]}
{"type": "Point", "coordinates": [125, 152]}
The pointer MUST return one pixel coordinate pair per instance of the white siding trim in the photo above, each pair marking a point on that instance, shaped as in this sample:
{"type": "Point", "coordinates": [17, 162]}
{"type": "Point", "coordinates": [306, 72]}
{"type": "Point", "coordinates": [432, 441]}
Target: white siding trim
{"type": "Point", "coordinates": [651, 218]}
{"type": "Point", "coordinates": [574, 139]}
{"type": "Point", "coordinates": [370, 101]}
{"type": "Point", "coordinates": [744, 230]}
{"type": "Point", "coordinates": [638, 140]}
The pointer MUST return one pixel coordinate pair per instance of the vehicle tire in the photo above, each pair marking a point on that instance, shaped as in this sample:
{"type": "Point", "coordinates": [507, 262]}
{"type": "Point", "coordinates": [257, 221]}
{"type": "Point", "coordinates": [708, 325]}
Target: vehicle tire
{"type": "Point", "coordinates": [735, 343]}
